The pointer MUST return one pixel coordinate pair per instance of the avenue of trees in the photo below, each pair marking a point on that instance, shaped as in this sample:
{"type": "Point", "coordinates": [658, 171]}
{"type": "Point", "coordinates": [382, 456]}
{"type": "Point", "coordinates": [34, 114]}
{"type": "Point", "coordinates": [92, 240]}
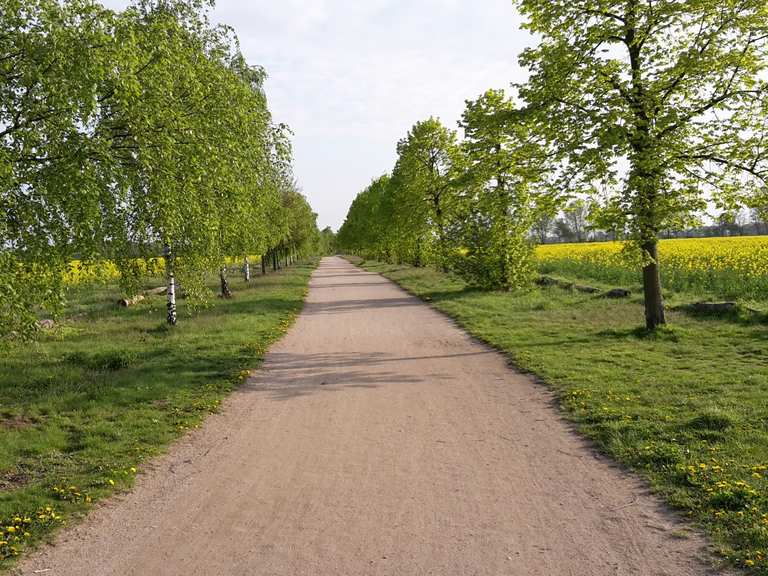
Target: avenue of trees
{"type": "Point", "coordinates": [637, 114]}
{"type": "Point", "coordinates": [130, 135]}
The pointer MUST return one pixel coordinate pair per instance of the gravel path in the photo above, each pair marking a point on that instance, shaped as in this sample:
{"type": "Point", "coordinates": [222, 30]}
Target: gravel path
{"type": "Point", "coordinates": [379, 439]}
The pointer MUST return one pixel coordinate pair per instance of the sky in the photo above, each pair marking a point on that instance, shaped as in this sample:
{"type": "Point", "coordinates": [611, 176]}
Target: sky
{"type": "Point", "coordinates": [350, 77]}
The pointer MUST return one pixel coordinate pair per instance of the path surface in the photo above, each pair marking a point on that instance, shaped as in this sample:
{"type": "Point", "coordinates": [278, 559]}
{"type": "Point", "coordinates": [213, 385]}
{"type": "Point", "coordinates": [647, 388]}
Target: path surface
{"type": "Point", "coordinates": [379, 439]}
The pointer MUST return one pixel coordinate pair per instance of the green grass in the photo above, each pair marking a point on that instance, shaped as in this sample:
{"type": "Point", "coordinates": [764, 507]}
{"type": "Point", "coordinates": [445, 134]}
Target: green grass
{"type": "Point", "coordinates": [687, 407]}
{"type": "Point", "coordinates": [83, 408]}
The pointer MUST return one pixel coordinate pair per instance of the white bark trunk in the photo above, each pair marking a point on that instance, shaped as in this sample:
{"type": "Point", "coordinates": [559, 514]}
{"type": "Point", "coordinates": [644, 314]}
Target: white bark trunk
{"type": "Point", "coordinates": [225, 291]}
{"type": "Point", "coordinates": [170, 286]}
{"type": "Point", "coordinates": [247, 270]}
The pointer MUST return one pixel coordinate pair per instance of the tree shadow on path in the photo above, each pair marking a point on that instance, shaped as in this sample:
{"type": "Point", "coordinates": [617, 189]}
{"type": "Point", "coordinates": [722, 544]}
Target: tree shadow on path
{"type": "Point", "coordinates": [288, 375]}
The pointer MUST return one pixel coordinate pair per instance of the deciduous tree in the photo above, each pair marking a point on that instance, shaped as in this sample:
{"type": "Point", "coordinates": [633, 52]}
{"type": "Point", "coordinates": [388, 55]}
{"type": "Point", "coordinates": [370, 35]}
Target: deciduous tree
{"type": "Point", "coordinates": [670, 88]}
{"type": "Point", "coordinates": [505, 163]}
{"type": "Point", "coordinates": [429, 161]}
{"type": "Point", "coordinates": [54, 198]}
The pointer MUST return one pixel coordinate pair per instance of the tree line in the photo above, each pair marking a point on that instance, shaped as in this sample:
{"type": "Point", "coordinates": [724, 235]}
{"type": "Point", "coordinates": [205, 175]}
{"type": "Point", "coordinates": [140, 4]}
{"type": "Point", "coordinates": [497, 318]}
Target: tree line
{"type": "Point", "coordinates": [648, 112]}
{"type": "Point", "coordinates": [576, 223]}
{"type": "Point", "coordinates": [127, 135]}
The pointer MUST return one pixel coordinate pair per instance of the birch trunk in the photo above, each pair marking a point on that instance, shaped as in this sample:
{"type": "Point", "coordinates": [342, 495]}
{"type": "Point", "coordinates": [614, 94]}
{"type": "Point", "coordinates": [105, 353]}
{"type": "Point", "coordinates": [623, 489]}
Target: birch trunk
{"type": "Point", "coordinates": [247, 269]}
{"type": "Point", "coordinates": [225, 291]}
{"type": "Point", "coordinates": [170, 281]}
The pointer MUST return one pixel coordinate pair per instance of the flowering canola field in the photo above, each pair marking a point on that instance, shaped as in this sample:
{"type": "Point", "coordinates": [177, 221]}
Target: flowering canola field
{"type": "Point", "coordinates": [80, 272]}
{"type": "Point", "coordinates": [733, 267]}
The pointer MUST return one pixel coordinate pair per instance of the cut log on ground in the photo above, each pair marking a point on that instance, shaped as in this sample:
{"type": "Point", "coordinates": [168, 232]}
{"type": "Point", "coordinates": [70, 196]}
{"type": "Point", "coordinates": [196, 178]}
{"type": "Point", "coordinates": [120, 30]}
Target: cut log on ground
{"type": "Point", "coordinates": [618, 293]}
{"type": "Point", "coordinates": [715, 307]}
{"type": "Point", "coordinates": [565, 285]}
{"type": "Point", "coordinates": [126, 302]}
{"type": "Point", "coordinates": [547, 281]}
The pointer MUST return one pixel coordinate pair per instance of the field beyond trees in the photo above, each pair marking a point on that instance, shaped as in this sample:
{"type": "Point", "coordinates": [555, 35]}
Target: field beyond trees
{"type": "Point", "coordinates": [88, 403]}
{"type": "Point", "coordinates": [685, 406]}
{"type": "Point", "coordinates": [731, 267]}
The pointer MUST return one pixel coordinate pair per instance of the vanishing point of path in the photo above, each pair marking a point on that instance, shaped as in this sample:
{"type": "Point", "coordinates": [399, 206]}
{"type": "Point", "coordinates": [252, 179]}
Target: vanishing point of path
{"type": "Point", "coordinates": [379, 439]}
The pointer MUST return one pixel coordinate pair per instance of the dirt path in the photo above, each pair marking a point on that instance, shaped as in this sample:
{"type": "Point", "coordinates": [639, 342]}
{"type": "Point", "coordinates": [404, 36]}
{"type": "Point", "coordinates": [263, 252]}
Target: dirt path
{"type": "Point", "coordinates": [379, 440]}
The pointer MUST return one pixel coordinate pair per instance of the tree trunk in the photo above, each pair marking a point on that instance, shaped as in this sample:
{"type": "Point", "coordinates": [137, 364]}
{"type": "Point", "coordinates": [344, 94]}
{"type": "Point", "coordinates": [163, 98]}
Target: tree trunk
{"type": "Point", "coordinates": [654, 303]}
{"type": "Point", "coordinates": [440, 235]}
{"type": "Point", "coordinates": [263, 264]}
{"type": "Point", "coordinates": [225, 291]}
{"type": "Point", "coordinates": [247, 269]}
{"type": "Point", "coordinates": [417, 257]}
{"type": "Point", "coordinates": [646, 174]}
{"type": "Point", "coordinates": [170, 280]}
{"type": "Point", "coordinates": [274, 260]}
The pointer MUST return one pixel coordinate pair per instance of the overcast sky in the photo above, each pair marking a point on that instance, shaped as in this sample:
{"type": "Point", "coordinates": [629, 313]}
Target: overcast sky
{"type": "Point", "coordinates": [351, 77]}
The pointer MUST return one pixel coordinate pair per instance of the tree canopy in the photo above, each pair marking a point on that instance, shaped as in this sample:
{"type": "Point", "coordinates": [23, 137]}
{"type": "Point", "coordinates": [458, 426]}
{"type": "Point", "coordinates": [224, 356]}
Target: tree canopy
{"type": "Point", "coordinates": [671, 89]}
{"type": "Point", "coordinates": [637, 115]}
{"type": "Point", "coordinates": [125, 135]}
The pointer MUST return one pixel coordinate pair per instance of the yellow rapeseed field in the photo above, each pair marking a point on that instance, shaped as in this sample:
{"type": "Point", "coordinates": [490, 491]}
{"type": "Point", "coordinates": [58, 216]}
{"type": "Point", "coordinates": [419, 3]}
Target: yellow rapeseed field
{"type": "Point", "coordinates": [729, 267]}
{"type": "Point", "coordinates": [80, 272]}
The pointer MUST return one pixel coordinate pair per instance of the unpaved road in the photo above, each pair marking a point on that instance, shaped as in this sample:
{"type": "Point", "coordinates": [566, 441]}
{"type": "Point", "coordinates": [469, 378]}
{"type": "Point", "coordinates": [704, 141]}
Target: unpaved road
{"type": "Point", "coordinates": [379, 439]}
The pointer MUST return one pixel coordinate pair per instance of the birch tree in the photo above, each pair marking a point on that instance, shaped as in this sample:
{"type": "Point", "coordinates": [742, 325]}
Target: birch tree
{"type": "Point", "coordinates": [53, 195]}
{"type": "Point", "coordinates": [125, 136]}
{"type": "Point", "coordinates": [193, 120]}
{"type": "Point", "coordinates": [157, 114]}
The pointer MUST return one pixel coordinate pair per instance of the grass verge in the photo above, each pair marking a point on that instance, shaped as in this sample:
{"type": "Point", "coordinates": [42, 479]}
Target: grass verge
{"type": "Point", "coordinates": [687, 407]}
{"type": "Point", "coordinates": [109, 388]}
